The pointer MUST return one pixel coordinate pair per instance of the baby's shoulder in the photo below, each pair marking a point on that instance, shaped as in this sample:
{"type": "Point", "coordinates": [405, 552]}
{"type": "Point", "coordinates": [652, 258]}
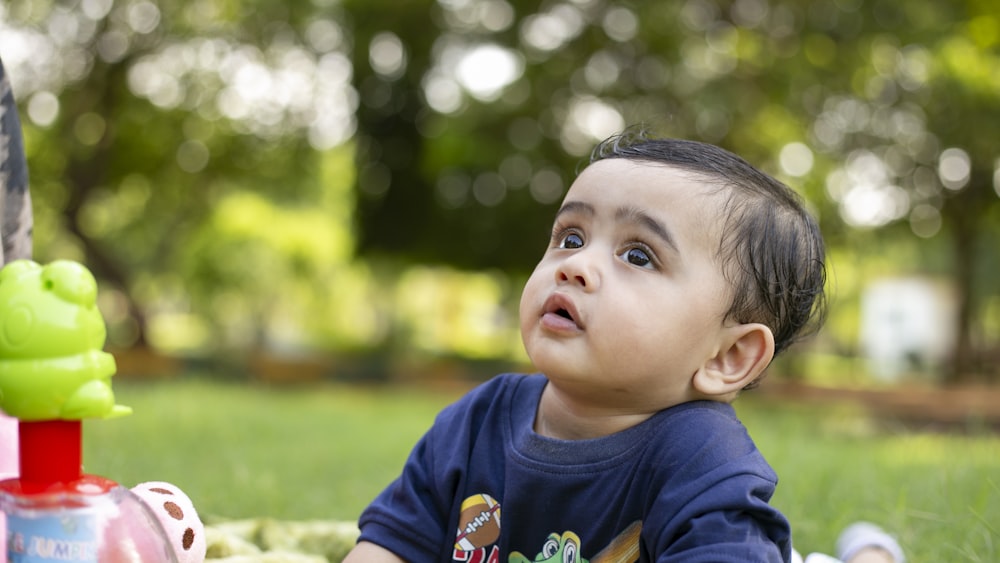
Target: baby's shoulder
{"type": "Point", "coordinates": [702, 435]}
{"type": "Point", "coordinates": [701, 417]}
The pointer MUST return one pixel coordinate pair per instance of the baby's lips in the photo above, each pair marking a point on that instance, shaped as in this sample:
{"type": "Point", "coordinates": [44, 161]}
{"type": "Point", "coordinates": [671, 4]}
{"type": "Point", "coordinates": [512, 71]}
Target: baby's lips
{"type": "Point", "coordinates": [562, 306]}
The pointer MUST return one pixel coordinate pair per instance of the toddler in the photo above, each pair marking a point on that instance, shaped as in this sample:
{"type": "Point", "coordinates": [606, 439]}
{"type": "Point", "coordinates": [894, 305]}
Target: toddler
{"type": "Point", "coordinates": [674, 273]}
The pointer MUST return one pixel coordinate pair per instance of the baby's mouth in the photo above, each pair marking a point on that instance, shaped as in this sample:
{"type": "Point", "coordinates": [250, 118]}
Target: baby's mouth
{"type": "Point", "coordinates": [561, 313]}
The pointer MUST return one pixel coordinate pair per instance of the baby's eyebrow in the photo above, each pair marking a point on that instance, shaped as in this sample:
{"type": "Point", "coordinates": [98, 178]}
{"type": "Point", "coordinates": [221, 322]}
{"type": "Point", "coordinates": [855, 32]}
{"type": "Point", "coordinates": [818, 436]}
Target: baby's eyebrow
{"type": "Point", "coordinates": [577, 207]}
{"type": "Point", "coordinates": [635, 215]}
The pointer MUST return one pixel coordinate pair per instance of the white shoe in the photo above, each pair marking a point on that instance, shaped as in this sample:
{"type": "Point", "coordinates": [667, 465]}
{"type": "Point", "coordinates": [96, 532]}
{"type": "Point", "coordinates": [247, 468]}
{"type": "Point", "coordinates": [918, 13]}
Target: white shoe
{"type": "Point", "coordinates": [819, 558]}
{"type": "Point", "coordinates": [860, 535]}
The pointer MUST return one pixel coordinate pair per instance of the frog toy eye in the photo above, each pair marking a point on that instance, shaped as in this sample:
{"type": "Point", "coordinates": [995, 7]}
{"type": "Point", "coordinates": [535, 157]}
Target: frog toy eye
{"type": "Point", "coordinates": [70, 281]}
{"type": "Point", "coordinates": [16, 269]}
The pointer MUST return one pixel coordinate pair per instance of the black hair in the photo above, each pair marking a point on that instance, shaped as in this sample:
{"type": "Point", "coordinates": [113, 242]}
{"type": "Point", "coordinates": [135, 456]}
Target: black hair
{"type": "Point", "coordinates": [771, 248]}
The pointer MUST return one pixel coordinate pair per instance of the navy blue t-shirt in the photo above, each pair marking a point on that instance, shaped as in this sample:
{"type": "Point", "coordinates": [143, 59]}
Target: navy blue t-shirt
{"type": "Point", "coordinates": [687, 485]}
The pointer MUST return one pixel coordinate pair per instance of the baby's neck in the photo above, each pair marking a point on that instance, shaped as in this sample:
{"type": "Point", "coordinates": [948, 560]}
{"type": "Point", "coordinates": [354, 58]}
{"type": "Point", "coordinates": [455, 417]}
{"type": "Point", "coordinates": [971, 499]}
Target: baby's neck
{"type": "Point", "coordinates": [567, 417]}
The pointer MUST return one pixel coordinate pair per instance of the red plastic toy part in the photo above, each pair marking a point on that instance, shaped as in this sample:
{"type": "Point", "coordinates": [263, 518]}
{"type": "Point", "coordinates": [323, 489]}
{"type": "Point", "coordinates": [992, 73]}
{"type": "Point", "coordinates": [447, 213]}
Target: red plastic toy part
{"type": "Point", "coordinates": [51, 462]}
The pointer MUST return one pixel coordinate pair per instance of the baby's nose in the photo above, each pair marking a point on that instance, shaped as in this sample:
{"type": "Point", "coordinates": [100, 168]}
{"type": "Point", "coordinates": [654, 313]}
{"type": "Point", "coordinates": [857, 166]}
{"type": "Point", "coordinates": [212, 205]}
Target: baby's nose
{"type": "Point", "coordinates": [580, 269]}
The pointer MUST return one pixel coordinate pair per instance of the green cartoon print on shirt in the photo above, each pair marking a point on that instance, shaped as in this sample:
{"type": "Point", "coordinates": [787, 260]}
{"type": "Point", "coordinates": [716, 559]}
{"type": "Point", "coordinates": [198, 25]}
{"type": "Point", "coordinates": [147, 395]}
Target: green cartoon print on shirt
{"type": "Point", "coordinates": [557, 548]}
{"type": "Point", "coordinates": [565, 548]}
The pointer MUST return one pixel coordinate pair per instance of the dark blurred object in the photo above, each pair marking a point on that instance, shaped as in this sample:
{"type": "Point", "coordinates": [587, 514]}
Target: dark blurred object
{"type": "Point", "coordinates": [15, 201]}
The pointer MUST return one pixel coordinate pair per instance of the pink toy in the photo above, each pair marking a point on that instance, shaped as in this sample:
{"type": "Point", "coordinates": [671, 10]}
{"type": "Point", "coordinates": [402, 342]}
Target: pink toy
{"type": "Point", "coordinates": [153, 511]}
{"type": "Point", "coordinates": [53, 374]}
{"type": "Point", "coordinates": [8, 469]}
{"type": "Point", "coordinates": [8, 446]}
{"type": "Point", "coordinates": [178, 517]}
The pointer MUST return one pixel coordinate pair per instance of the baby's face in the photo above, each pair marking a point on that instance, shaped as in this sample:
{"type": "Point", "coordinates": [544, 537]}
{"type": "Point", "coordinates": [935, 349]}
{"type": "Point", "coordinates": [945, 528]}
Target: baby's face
{"type": "Point", "coordinates": [628, 300]}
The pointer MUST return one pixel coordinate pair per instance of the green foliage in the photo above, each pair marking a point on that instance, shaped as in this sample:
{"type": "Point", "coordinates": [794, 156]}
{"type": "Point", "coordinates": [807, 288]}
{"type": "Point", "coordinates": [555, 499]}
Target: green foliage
{"type": "Point", "coordinates": [170, 113]}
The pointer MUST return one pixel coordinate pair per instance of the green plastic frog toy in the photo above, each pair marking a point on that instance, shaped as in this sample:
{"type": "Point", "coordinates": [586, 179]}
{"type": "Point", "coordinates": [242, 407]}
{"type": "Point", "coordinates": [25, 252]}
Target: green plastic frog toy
{"type": "Point", "coordinates": [52, 366]}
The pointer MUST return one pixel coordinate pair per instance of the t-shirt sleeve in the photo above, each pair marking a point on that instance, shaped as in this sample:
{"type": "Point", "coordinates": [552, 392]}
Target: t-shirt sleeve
{"type": "Point", "coordinates": [731, 522]}
{"type": "Point", "coordinates": [412, 515]}
{"type": "Point", "coordinates": [408, 517]}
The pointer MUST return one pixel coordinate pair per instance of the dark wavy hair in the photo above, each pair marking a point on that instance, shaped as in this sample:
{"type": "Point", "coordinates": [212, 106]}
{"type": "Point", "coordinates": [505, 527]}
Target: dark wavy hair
{"type": "Point", "coordinates": [771, 249]}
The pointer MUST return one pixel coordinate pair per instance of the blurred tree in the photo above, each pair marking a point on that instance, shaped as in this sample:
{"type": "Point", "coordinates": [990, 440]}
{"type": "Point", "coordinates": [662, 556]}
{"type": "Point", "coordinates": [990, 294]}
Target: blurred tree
{"type": "Point", "coordinates": [144, 118]}
{"type": "Point", "coordinates": [470, 118]}
{"type": "Point", "coordinates": [917, 81]}
{"type": "Point", "coordinates": [865, 106]}
{"type": "Point", "coordinates": [452, 162]}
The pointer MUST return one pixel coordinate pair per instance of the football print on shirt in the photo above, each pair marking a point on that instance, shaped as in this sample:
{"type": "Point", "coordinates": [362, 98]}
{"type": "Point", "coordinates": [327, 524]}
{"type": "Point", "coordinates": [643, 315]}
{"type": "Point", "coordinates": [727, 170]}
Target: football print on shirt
{"type": "Point", "coordinates": [478, 528]}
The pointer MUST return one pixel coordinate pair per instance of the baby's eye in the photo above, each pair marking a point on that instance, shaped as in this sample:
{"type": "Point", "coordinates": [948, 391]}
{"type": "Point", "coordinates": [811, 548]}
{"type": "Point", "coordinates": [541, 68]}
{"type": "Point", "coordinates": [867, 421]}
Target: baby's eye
{"type": "Point", "coordinates": [571, 240]}
{"type": "Point", "coordinates": [637, 257]}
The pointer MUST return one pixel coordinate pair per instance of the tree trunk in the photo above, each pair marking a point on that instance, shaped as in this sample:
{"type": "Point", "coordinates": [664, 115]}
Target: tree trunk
{"type": "Point", "coordinates": [85, 172]}
{"type": "Point", "coordinates": [966, 213]}
{"type": "Point", "coordinates": [963, 364]}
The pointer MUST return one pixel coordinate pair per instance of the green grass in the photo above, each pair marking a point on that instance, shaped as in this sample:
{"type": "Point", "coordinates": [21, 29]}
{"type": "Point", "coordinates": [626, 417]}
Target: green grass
{"type": "Point", "coordinates": [242, 451]}
{"type": "Point", "coordinates": [939, 493]}
{"type": "Point", "coordinates": [324, 451]}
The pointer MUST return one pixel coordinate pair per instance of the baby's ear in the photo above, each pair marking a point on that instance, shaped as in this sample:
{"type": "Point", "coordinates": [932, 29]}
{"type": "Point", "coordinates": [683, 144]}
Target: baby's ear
{"type": "Point", "coordinates": [744, 351]}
